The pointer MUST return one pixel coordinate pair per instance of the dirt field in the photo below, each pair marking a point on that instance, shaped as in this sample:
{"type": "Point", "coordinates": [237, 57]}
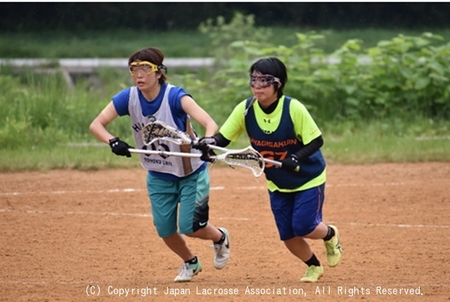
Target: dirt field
{"type": "Point", "coordinates": [89, 236]}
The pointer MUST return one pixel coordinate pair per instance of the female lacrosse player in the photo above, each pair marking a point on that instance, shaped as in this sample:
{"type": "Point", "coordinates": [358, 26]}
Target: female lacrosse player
{"type": "Point", "coordinates": [178, 188]}
{"type": "Point", "coordinates": [281, 128]}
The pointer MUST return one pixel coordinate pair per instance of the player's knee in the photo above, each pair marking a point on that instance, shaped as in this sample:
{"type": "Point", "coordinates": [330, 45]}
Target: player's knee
{"type": "Point", "coordinates": [186, 228]}
{"type": "Point", "coordinates": [303, 229]}
{"type": "Point", "coordinates": [166, 231]}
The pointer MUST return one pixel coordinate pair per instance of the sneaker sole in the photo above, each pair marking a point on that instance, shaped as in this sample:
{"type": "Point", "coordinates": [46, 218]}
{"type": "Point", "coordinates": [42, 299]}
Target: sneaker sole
{"type": "Point", "coordinates": [309, 281]}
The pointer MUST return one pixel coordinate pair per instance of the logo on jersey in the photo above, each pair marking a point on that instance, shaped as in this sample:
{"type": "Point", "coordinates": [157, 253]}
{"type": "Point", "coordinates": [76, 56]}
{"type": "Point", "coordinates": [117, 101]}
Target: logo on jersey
{"type": "Point", "coordinates": [151, 118]}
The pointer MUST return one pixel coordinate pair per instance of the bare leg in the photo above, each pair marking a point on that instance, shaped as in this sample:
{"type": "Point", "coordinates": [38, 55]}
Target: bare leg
{"type": "Point", "coordinates": [300, 248]}
{"type": "Point", "coordinates": [178, 245]}
{"type": "Point", "coordinates": [209, 232]}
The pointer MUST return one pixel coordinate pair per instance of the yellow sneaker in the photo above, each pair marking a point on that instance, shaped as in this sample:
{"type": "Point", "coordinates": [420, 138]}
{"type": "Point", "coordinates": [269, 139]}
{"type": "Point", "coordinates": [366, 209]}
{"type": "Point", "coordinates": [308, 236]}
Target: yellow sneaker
{"type": "Point", "coordinates": [313, 274]}
{"type": "Point", "coordinates": [333, 247]}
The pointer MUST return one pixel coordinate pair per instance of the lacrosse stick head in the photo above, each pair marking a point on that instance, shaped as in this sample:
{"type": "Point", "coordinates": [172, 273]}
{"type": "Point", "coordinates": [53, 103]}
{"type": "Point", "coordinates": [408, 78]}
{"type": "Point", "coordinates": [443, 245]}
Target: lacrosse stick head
{"type": "Point", "coordinates": [157, 130]}
{"type": "Point", "coordinates": [247, 158]}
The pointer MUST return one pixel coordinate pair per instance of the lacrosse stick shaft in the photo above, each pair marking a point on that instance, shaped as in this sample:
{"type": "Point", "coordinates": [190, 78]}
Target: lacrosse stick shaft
{"type": "Point", "coordinates": [164, 153]}
{"type": "Point", "coordinates": [169, 153]}
{"type": "Point", "coordinates": [273, 162]}
{"type": "Point", "coordinates": [192, 155]}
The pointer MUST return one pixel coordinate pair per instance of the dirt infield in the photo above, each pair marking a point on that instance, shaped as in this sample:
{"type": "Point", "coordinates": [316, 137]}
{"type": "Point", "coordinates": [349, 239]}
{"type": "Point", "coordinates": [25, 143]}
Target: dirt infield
{"type": "Point", "coordinates": [89, 236]}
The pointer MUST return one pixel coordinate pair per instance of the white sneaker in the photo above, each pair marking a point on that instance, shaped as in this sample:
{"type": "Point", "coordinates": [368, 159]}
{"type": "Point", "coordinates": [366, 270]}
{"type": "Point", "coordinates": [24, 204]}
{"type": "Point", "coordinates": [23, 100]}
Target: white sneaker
{"type": "Point", "coordinates": [187, 271]}
{"type": "Point", "coordinates": [222, 251]}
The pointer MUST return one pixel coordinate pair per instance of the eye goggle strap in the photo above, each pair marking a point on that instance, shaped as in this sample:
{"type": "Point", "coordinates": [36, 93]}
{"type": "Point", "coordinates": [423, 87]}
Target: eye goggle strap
{"type": "Point", "coordinates": [162, 67]}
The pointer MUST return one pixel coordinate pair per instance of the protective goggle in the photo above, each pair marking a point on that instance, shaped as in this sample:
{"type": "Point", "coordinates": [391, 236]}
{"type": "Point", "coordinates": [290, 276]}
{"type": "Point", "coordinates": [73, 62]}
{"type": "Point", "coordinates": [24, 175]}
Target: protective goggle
{"type": "Point", "coordinates": [144, 66]}
{"type": "Point", "coordinates": [263, 81]}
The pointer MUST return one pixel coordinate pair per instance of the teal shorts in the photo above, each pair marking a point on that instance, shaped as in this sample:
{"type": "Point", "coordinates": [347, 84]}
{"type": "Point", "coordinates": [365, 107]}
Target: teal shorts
{"type": "Point", "coordinates": [185, 199]}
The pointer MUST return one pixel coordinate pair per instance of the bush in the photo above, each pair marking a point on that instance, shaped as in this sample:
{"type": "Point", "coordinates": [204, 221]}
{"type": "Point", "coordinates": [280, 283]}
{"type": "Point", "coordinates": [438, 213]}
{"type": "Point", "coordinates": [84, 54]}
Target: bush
{"type": "Point", "coordinates": [406, 76]}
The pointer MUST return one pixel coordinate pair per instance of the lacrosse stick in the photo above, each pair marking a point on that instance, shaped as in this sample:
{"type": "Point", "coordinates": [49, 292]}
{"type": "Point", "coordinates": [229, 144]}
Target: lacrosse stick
{"type": "Point", "coordinates": [158, 130]}
{"type": "Point", "coordinates": [247, 158]}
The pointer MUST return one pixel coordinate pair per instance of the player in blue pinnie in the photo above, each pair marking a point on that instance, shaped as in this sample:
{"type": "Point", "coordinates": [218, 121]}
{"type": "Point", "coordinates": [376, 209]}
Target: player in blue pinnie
{"type": "Point", "coordinates": [281, 128]}
{"type": "Point", "coordinates": [178, 187]}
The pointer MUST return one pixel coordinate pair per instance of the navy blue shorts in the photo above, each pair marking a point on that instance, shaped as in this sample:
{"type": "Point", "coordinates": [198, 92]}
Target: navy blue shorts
{"type": "Point", "coordinates": [298, 213]}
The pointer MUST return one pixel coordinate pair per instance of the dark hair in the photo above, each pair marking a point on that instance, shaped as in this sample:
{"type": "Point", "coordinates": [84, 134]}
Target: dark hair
{"type": "Point", "coordinates": [272, 66]}
{"type": "Point", "coordinates": [152, 55]}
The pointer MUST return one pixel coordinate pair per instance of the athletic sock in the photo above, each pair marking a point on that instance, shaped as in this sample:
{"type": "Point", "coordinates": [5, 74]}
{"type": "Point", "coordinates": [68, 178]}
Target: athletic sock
{"type": "Point", "coordinates": [193, 260]}
{"type": "Point", "coordinates": [313, 261]}
{"type": "Point", "coordinates": [222, 239]}
{"type": "Point", "coordinates": [329, 235]}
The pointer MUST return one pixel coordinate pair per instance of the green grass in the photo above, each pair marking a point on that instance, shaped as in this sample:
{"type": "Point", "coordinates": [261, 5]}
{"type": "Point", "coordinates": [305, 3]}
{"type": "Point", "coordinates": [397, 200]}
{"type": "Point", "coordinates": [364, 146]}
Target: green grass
{"type": "Point", "coordinates": [412, 139]}
{"type": "Point", "coordinates": [64, 157]}
{"type": "Point", "coordinates": [361, 148]}
{"type": "Point", "coordinates": [364, 150]}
